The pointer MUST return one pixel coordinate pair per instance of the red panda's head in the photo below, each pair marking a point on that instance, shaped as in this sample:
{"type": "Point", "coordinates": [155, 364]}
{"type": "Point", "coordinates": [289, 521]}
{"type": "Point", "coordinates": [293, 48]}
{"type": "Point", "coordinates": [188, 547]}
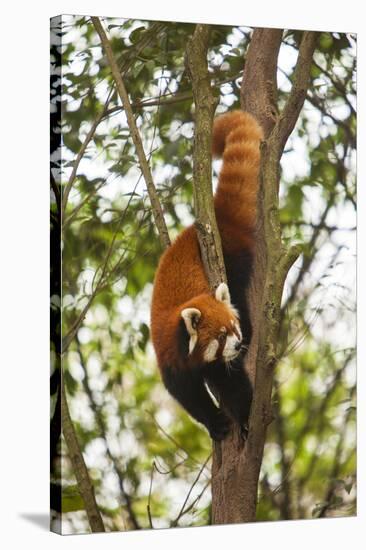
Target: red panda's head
{"type": "Point", "coordinates": [212, 326]}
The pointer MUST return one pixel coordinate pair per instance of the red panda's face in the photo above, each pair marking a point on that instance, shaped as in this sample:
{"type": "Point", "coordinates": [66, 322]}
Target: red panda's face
{"type": "Point", "coordinates": [213, 327]}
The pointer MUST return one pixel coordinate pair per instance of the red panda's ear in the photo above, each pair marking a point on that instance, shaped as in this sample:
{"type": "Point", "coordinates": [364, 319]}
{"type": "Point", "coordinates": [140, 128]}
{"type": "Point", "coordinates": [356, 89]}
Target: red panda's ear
{"type": "Point", "coordinates": [222, 294]}
{"type": "Point", "coordinates": [191, 316]}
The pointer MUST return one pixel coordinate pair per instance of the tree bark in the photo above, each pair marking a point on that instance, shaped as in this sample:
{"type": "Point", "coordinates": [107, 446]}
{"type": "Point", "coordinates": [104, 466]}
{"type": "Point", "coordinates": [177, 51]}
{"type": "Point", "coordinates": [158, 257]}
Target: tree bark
{"type": "Point", "coordinates": [205, 103]}
{"type": "Point", "coordinates": [236, 468]}
{"type": "Point", "coordinates": [80, 470]}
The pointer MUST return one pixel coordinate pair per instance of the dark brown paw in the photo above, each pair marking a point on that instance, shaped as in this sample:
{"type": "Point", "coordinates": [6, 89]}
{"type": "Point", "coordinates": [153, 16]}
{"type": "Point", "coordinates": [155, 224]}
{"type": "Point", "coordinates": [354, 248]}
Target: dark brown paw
{"type": "Point", "coordinates": [220, 427]}
{"type": "Point", "coordinates": [244, 429]}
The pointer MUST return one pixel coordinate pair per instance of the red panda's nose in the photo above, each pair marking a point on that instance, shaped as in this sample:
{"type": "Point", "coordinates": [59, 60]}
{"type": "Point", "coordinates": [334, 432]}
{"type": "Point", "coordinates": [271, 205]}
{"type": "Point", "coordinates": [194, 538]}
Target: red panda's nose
{"type": "Point", "coordinates": [238, 345]}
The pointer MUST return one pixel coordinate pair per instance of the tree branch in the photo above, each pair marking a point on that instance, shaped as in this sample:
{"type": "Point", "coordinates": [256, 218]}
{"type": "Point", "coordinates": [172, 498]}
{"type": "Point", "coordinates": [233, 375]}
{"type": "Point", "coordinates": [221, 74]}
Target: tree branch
{"type": "Point", "coordinates": [321, 424]}
{"type": "Point", "coordinates": [67, 339]}
{"type": "Point", "coordinates": [171, 97]}
{"type": "Point", "coordinates": [308, 258]}
{"type": "Point", "coordinates": [144, 166]}
{"type": "Point", "coordinates": [277, 262]}
{"type": "Point", "coordinates": [319, 103]}
{"type": "Point", "coordinates": [285, 464]}
{"type": "Point", "coordinates": [79, 468]}
{"type": "Point", "coordinates": [235, 476]}
{"type": "Point", "coordinates": [338, 85]}
{"type": "Point", "coordinates": [205, 103]}
{"type": "Point", "coordinates": [261, 68]}
{"type": "Point", "coordinates": [336, 468]}
{"type": "Point", "coordinates": [183, 509]}
{"type": "Point", "coordinates": [295, 101]}
{"type": "Point", "coordinates": [148, 506]}
{"type": "Point", "coordinates": [71, 216]}
{"type": "Point", "coordinates": [87, 140]}
{"type": "Point", "coordinates": [56, 191]}
{"type": "Point", "coordinates": [174, 441]}
{"type": "Point", "coordinates": [273, 262]}
{"type": "Point", "coordinates": [239, 473]}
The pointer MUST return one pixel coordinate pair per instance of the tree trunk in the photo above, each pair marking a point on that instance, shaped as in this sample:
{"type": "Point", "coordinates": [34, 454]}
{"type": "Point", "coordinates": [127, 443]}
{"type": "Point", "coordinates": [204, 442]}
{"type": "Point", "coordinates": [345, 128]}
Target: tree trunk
{"type": "Point", "coordinates": [236, 468]}
{"type": "Point", "coordinates": [205, 103]}
{"type": "Point", "coordinates": [80, 470]}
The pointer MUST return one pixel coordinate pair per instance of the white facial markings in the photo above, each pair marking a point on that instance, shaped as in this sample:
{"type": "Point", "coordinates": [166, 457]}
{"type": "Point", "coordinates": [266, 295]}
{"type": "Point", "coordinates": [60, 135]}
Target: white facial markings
{"type": "Point", "coordinates": [237, 326]}
{"type": "Point", "coordinates": [210, 352]}
{"type": "Point", "coordinates": [232, 348]}
{"type": "Point", "coordinates": [192, 343]}
{"type": "Point", "coordinates": [233, 310]}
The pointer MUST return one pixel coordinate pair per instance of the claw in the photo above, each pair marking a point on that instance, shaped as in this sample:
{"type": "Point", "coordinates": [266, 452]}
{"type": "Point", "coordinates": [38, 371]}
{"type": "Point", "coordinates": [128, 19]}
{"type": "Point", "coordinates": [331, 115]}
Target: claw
{"type": "Point", "coordinates": [244, 430]}
{"type": "Point", "coordinates": [220, 427]}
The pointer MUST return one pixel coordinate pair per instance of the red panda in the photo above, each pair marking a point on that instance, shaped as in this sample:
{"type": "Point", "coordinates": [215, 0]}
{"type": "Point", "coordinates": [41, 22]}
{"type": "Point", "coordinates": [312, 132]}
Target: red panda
{"type": "Point", "coordinates": [200, 337]}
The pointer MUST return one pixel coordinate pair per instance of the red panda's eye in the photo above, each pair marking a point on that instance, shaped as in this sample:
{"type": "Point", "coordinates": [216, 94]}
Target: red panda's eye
{"type": "Point", "coordinates": [222, 336]}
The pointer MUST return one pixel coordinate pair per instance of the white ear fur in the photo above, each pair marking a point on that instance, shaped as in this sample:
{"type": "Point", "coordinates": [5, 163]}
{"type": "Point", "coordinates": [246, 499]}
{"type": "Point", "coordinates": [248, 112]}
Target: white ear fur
{"type": "Point", "coordinates": [222, 294]}
{"type": "Point", "coordinates": [191, 316]}
{"type": "Point", "coordinates": [192, 343]}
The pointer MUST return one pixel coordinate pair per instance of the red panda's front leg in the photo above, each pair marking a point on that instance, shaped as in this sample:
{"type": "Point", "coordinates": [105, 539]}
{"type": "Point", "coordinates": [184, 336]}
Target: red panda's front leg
{"type": "Point", "coordinates": [188, 388]}
{"type": "Point", "coordinates": [233, 390]}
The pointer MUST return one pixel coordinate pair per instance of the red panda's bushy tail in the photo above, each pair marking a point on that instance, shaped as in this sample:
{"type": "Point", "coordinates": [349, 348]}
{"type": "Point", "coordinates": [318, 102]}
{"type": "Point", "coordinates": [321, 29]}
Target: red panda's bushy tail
{"type": "Point", "coordinates": [237, 136]}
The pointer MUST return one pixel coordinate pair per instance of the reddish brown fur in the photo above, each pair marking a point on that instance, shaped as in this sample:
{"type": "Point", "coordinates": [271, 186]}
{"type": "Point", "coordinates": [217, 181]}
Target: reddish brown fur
{"type": "Point", "coordinates": [180, 279]}
{"type": "Point", "coordinates": [236, 195]}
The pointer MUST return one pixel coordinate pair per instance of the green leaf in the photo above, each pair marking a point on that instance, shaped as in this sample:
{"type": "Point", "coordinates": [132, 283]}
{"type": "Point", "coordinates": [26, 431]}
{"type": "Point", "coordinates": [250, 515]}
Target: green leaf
{"type": "Point", "coordinates": [71, 499]}
{"type": "Point", "coordinates": [136, 34]}
{"type": "Point", "coordinates": [325, 41]}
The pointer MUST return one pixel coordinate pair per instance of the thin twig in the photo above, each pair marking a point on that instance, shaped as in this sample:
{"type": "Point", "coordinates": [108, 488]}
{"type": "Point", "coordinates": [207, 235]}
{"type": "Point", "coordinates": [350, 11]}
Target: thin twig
{"type": "Point", "coordinates": [321, 424]}
{"type": "Point", "coordinates": [338, 85]}
{"type": "Point", "coordinates": [155, 29]}
{"type": "Point", "coordinates": [182, 510]}
{"type": "Point", "coordinates": [168, 472]}
{"type": "Point", "coordinates": [319, 225]}
{"type": "Point", "coordinates": [148, 507]}
{"type": "Point", "coordinates": [319, 103]}
{"type": "Point", "coordinates": [170, 98]}
{"type": "Point", "coordinates": [285, 465]}
{"type": "Point", "coordinates": [336, 467]}
{"type": "Point", "coordinates": [77, 208]}
{"type": "Point", "coordinates": [171, 438]}
{"type": "Point", "coordinates": [196, 500]}
{"type": "Point", "coordinates": [67, 339]}
{"type": "Point", "coordinates": [308, 258]}
{"type": "Point", "coordinates": [79, 156]}
{"type": "Point", "coordinates": [145, 168]}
